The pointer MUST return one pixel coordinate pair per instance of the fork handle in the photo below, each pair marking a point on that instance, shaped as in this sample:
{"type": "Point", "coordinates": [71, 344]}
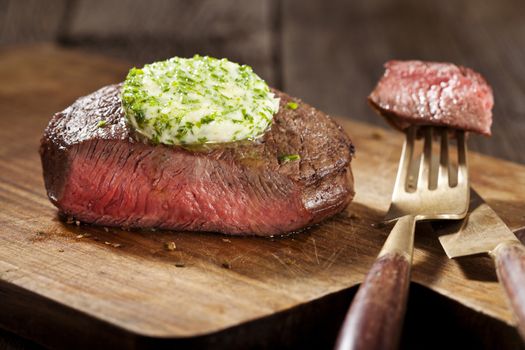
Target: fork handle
{"type": "Point", "coordinates": [375, 318]}
{"type": "Point", "coordinates": [510, 266]}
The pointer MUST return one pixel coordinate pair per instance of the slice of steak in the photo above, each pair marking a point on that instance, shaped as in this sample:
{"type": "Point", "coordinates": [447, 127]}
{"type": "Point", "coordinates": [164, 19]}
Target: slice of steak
{"type": "Point", "coordinates": [416, 92]}
{"type": "Point", "coordinates": [109, 175]}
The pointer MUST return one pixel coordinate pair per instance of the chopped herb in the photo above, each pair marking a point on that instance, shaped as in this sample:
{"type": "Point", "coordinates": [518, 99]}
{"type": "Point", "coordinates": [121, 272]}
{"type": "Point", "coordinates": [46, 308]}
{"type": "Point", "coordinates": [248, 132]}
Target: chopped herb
{"type": "Point", "coordinates": [226, 265]}
{"type": "Point", "coordinates": [102, 124]}
{"type": "Point", "coordinates": [292, 105]}
{"type": "Point", "coordinates": [205, 120]}
{"type": "Point", "coordinates": [289, 158]}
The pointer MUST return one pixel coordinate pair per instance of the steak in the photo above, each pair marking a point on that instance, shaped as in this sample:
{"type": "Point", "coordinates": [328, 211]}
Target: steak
{"type": "Point", "coordinates": [431, 93]}
{"type": "Point", "coordinates": [107, 174]}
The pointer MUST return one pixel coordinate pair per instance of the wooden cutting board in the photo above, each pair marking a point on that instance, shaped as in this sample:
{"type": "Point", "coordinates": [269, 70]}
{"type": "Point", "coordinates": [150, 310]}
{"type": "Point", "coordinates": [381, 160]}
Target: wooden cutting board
{"type": "Point", "coordinates": [91, 284]}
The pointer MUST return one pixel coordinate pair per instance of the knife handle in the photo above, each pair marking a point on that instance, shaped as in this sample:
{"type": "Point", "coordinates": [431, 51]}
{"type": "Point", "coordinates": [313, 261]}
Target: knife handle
{"type": "Point", "coordinates": [375, 318]}
{"type": "Point", "coordinates": [510, 266]}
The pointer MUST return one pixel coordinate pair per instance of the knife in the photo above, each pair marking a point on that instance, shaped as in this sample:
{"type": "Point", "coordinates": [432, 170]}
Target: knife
{"type": "Point", "coordinates": [483, 231]}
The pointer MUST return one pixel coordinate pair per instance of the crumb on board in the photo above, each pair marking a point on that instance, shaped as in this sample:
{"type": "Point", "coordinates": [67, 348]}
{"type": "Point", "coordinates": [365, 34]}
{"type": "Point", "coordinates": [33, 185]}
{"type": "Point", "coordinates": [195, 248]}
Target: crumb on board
{"type": "Point", "coordinates": [226, 240]}
{"type": "Point", "coordinates": [106, 229]}
{"type": "Point", "coordinates": [377, 135]}
{"type": "Point", "coordinates": [171, 246]}
{"type": "Point", "coordinates": [289, 261]}
{"type": "Point", "coordinates": [61, 250]}
{"type": "Point", "coordinates": [77, 223]}
{"type": "Point", "coordinates": [226, 265]}
{"type": "Point", "coordinates": [114, 245]}
{"type": "Point", "coordinates": [80, 236]}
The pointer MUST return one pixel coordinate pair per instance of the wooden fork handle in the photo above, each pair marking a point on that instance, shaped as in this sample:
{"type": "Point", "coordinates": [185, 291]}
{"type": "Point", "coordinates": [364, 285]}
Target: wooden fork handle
{"type": "Point", "coordinates": [375, 318]}
{"type": "Point", "coordinates": [510, 266]}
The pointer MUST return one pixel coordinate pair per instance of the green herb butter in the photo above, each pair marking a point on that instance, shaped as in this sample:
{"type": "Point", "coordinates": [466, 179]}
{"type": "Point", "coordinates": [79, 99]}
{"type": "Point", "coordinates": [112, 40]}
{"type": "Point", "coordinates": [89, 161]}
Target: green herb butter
{"type": "Point", "coordinates": [289, 158]}
{"type": "Point", "coordinates": [292, 105]}
{"type": "Point", "coordinates": [197, 100]}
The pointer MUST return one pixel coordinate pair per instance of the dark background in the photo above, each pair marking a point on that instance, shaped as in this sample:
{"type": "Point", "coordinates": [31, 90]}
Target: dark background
{"type": "Point", "coordinates": [329, 53]}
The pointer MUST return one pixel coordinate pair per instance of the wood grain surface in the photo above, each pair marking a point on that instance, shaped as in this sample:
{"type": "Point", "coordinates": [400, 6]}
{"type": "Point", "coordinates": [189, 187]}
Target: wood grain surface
{"type": "Point", "coordinates": [119, 283]}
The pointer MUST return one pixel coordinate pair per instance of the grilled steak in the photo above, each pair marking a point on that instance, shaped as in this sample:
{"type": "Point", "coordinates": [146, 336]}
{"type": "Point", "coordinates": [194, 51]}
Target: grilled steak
{"type": "Point", "coordinates": [415, 92]}
{"type": "Point", "coordinates": [107, 174]}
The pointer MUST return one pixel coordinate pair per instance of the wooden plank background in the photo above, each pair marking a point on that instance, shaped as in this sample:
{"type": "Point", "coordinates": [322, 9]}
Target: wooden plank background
{"type": "Point", "coordinates": [327, 52]}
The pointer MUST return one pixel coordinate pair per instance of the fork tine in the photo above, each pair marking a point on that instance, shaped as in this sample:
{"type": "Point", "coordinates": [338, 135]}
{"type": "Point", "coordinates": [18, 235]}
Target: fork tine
{"type": "Point", "coordinates": [444, 165]}
{"type": "Point", "coordinates": [426, 161]}
{"type": "Point", "coordinates": [404, 163]}
{"type": "Point", "coordinates": [462, 158]}
{"type": "Point", "coordinates": [448, 198]}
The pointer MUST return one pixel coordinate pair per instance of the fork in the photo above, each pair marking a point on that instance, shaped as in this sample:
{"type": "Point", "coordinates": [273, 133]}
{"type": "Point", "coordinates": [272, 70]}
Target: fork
{"type": "Point", "coordinates": [425, 192]}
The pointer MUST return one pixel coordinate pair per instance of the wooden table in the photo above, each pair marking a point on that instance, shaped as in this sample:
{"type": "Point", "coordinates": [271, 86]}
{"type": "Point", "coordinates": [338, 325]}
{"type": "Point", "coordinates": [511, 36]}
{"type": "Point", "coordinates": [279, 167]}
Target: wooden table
{"type": "Point", "coordinates": [40, 84]}
{"type": "Point", "coordinates": [327, 52]}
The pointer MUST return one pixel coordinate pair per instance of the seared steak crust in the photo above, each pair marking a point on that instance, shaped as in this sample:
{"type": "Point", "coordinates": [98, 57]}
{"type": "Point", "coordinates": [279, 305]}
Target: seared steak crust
{"type": "Point", "coordinates": [110, 175]}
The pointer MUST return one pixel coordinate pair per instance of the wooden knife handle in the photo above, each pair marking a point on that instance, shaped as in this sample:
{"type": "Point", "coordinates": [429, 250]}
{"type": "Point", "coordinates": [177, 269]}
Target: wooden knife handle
{"type": "Point", "coordinates": [375, 318]}
{"type": "Point", "coordinates": [510, 266]}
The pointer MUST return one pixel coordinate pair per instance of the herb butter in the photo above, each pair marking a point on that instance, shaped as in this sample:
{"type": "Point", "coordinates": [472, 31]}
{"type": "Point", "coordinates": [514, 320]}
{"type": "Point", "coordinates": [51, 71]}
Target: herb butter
{"type": "Point", "coordinates": [197, 100]}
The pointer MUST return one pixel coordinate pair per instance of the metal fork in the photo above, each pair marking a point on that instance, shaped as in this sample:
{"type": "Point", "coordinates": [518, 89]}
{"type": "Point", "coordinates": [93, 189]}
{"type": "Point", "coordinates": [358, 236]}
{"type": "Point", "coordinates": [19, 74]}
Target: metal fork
{"type": "Point", "coordinates": [375, 318]}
